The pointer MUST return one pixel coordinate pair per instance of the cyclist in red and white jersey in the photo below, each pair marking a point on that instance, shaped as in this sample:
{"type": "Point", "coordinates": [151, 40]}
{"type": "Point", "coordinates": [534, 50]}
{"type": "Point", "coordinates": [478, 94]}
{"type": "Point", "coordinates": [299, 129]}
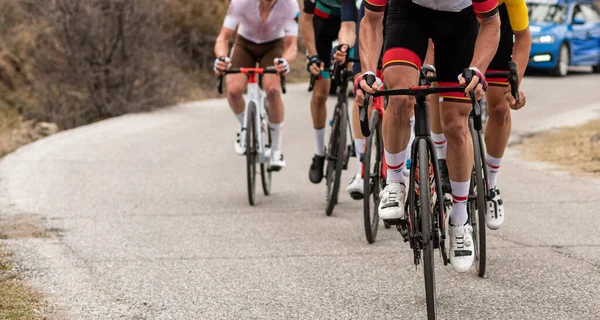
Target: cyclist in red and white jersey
{"type": "Point", "coordinates": [267, 34]}
{"type": "Point", "coordinates": [466, 35]}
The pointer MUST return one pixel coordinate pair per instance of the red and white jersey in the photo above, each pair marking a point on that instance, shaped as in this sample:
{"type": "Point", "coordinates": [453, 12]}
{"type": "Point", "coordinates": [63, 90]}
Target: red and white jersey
{"type": "Point", "coordinates": [482, 8]}
{"type": "Point", "coordinates": [282, 21]}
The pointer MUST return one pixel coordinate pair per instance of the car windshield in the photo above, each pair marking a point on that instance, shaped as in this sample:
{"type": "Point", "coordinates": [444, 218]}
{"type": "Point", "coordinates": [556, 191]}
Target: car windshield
{"type": "Point", "coordinates": [540, 12]}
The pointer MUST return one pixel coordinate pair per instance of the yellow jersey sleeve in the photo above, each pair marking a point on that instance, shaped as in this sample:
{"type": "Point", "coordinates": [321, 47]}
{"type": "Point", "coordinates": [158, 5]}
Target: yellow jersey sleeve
{"type": "Point", "coordinates": [518, 14]}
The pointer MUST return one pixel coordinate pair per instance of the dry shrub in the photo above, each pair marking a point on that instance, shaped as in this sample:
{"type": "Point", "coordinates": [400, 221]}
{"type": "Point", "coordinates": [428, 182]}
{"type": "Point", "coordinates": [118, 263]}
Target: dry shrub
{"type": "Point", "coordinates": [101, 58]}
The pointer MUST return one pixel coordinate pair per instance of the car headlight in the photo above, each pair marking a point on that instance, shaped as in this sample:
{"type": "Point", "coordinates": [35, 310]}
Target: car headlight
{"type": "Point", "coordinates": [543, 39]}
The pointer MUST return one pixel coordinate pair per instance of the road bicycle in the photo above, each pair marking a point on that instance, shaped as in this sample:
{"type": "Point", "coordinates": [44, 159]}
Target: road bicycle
{"type": "Point", "coordinates": [424, 226]}
{"type": "Point", "coordinates": [338, 151]}
{"type": "Point", "coordinates": [255, 137]}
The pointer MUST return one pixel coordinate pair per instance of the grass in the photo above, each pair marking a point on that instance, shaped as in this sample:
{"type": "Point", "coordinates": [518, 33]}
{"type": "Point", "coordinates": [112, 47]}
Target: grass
{"type": "Point", "coordinates": [575, 149]}
{"type": "Point", "coordinates": [16, 301]}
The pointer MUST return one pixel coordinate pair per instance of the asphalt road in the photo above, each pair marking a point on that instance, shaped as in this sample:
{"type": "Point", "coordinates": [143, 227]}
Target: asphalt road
{"type": "Point", "coordinates": [154, 224]}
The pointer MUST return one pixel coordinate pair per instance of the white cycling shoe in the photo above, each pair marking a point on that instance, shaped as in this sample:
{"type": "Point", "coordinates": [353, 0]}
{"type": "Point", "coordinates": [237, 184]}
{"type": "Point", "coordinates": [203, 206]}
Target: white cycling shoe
{"type": "Point", "coordinates": [237, 145]}
{"type": "Point", "coordinates": [462, 251]}
{"type": "Point", "coordinates": [494, 217]}
{"type": "Point", "coordinates": [391, 205]}
{"type": "Point", "coordinates": [276, 162]}
{"type": "Point", "coordinates": [355, 187]}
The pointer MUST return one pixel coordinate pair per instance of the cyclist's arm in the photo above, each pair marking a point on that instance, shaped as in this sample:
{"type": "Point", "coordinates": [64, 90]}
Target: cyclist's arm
{"type": "Point", "coordinates": [222, 43]}
{"type": "Point", "coordinates": [489, 33]}
{"type": "Point", "coordinates": [347, 33]}
{"type": "Point", "coordinates": [229, 25]}
{"type": "Point", "coordinates": [371, 34]}
{"type": "Point", "coordinates": [307, 28]}
{"type": "Point", "coordinates": [519, 22]}
{"type": "Point", "coordinates": [291, 48]}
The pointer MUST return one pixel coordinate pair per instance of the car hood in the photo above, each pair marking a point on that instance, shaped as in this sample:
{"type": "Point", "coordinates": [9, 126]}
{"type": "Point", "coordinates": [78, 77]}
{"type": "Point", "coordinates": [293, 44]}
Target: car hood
{"type": "Point", "coordinates": [543, 28]}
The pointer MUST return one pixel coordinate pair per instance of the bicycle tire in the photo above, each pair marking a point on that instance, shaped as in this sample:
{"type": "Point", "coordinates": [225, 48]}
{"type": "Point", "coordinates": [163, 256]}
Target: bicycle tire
{"type": "Point", "coordinates": [426, 228]}
{"type": "Point", "coordinates": [251, 152]}
{"type": "Point", "coordinates": [477, 216]}
{"type": "Point", "coordinates": [372, 178]}
{"type": "Point", "coordinates": [335, 160]}
{"type": "Point", "coordinates": [265, 173]}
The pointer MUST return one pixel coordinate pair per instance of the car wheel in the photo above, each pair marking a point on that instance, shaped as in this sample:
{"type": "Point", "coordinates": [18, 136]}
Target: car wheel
{"type": "Point", "coordinates": [596, 68]}
{"type": "Point", "coordinates": [564, 60]}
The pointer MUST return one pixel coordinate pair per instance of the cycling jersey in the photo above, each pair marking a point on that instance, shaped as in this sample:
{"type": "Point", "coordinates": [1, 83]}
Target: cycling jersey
{"type": "Point", "coordinates": [282, 21]}
{"type": "Point", "coordinates": [483, 8]}
{"type": "Point", "coordinates": [341, 9]}
{"type": "Point", "coordinates": [517, 13]}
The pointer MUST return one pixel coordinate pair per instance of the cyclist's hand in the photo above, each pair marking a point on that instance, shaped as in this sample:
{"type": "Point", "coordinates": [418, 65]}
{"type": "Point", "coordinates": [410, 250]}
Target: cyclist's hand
{"type": "Point", "coordinates": [221, 64]}
{"type": "Point", "coordinates": [340, 53]}
{"type": "Point", "coordinates": [315, 65]}
{"type": "Point", "coordinates": [512, 103]}
{"type": "Point", "coordinates": [477, 84]}
{"type": "Point", "coordinates": [361, 87]}
{"type": "Point", "coordinates": [282, 66]}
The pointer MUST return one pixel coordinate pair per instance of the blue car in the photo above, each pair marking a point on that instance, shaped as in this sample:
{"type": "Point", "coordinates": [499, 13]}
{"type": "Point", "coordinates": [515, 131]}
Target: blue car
{"type": "Point", "coordinates": [564, 33]}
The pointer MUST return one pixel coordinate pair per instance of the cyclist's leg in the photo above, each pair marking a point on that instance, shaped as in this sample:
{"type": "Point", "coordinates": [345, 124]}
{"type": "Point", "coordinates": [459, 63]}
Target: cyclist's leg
{"type": "Point", "coordinates": [454, 38]}
{"type": "Point", "coordinates": [241, 57]}
{"type": "Point", "coordinates": [356, 183]}
{"type": "Point", "coordinates": [405, 49]}
{"type": "Point", "coordinates": [437, 134]}
{"type": "Point", "coordinates": [272, 87]}
{"type": "Point", "coordinates": [498, 126]}
{"type": "Point", "coordinates": [325, 33]}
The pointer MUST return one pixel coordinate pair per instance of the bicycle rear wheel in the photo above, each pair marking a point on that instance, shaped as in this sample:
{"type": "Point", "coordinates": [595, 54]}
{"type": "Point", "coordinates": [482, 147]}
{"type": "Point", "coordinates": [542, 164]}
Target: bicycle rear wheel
{"type": "Point", "coordinates": [335, 158]}
{"type": "Point", "coordinates": [251, 151]}
{"type": "Point", "coordinates": [425, 207]}
{"type": "Point", "coordinates": [478, 204]}
{"type": "Point", "coordinates": [265, 173]}
{"type": "Point", "coordinates": [372, 178]}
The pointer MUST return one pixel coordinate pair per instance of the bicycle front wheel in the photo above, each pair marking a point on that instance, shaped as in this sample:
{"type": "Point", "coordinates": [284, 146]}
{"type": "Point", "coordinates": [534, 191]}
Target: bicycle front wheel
{"type": "Point", "coordinates": [335, 157]}
{"type": "Point", "coordinates": [478, 204]}
{"type": "Point", "coordinates": [426, 227]}
{"type": "Point", "coordinates": [265, 173]}
{"type": "Point", "coordinates": [251, 146]}
{"type": "Point", "coordinates": [372, 178]}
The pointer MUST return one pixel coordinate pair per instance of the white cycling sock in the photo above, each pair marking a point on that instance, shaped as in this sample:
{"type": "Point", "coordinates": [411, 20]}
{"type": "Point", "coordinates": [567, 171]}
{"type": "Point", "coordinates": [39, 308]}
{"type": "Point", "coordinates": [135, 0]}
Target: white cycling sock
{"type": "Point", "coordinates": [412, 136]}
{"type": "Point", "coordinates": [240, 117]}
{"type": "Point", "coordinates": [359, 147]}
{"type": "Point", "coordinates": [320, 137]}
{"type": "Point", "coordinates": [460, 195]}
{"type": "Point", "coordinates": [395, 163]}
{"type": "Point", "coordinates": [276, 135]}
{"type": "Point", "coordinates": [493, 165]}
{"type": "Point", "coordinates": [439, 139]}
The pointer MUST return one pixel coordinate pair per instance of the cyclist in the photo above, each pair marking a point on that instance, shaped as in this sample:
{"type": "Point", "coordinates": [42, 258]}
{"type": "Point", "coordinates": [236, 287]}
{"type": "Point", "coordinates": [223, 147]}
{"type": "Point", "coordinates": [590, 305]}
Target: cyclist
{"type": "Point", "coordinates": [459, 44]}
{"type": "Point", "coordinates": [514, 18]}
{"type": "Point", "coordinates": [322, 22]}
{"type": "Point", "coordinates": [267, 34]}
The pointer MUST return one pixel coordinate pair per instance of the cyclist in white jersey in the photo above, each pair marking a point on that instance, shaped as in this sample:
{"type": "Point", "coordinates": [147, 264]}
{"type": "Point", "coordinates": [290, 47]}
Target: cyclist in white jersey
{"type": "Point", "coordinates": [267, 34]}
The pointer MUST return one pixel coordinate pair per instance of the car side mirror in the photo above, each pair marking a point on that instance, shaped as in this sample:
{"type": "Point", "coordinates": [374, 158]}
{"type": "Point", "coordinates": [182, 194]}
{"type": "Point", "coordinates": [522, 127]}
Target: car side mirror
{"type": "Point", "coordinates": [578, 20]}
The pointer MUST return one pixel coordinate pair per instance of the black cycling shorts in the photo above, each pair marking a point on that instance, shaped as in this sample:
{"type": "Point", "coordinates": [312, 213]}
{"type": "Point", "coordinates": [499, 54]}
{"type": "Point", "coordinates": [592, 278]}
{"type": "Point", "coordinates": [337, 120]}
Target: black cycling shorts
{"type": "Point", "coordinates": [505, 50]}
{"type": "Point", "coordinates": [408, 30]}
{"type": "Point", "coordinates": [326, 31]}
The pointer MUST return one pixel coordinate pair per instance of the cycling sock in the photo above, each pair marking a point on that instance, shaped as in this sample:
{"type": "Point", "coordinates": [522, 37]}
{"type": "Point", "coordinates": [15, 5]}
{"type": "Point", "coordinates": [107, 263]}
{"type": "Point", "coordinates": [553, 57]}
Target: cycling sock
{"type": "Point", "coordinates": [240, 117]}
{"type": "Point", "coordinates": [320, 146]}
{"type": "Point", "coordinates": [412, 136]}
{"type": "Point", "coordinates": [493, 165]}
{"type": "Point", "coordinates": [359, 147]}
{"type": "Point", "coordinates": [276, 135]}
{"type": "Point", "coordinates": [460, 195]}
{"type": "Point", "coordinates": [439, 139]}
{"type": "Point", "coordinates": [395, 163]}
